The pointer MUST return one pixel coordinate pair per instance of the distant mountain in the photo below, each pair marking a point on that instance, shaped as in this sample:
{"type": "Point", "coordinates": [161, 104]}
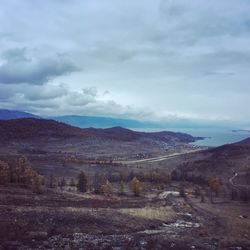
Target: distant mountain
{"type": "Point", "coordinates": [103, 122]}
{"type": "Point", "coordinates": [107, 122]}
{"type": "Point", "coordinates": [31, 128]}
{"type": "Point", "coordinates": [6, 114]}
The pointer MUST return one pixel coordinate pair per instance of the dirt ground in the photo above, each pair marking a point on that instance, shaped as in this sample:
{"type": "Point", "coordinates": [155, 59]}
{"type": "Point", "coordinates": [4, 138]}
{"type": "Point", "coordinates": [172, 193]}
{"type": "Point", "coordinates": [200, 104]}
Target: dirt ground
{"type": "Point", "coordinates": [69, 220]}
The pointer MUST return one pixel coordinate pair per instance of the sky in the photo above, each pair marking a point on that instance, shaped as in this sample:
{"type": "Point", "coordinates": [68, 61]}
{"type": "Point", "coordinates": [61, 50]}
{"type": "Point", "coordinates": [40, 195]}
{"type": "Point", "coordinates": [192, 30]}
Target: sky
{"type": "Point", "coordinates": [154, 60]}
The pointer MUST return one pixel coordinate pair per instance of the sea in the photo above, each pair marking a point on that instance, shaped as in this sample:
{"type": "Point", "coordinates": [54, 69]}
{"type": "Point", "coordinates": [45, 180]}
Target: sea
{"type": "Point", "coordinates": [213, 137]}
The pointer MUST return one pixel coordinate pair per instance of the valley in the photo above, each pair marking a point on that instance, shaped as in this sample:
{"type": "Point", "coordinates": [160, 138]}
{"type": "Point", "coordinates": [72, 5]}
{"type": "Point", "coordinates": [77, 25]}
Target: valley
{"type": "Point", "coordinates": [142, 190]}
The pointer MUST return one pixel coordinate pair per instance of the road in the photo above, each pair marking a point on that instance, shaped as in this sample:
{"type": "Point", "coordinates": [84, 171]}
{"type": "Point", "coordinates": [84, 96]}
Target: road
{"type": "Point", "coordinates": [158, 158]}
{"type": "Point", "coordinates": [231, 181]}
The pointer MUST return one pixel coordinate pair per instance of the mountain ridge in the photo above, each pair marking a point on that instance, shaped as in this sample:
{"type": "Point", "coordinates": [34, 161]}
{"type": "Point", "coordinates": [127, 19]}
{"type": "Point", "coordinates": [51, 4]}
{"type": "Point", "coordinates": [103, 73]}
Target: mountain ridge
{"type": "Point", "coordinates": [27, 128]}
{"type": "Point", "coordinates": [6, 114]}
{"type": "Point", "coordinates": [103, 122]}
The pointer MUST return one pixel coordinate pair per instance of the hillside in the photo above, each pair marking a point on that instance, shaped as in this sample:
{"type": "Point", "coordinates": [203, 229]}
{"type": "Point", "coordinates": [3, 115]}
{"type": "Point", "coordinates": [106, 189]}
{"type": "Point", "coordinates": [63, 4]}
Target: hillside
{"type": "Point", "coordinates": [35, 128]}
{"type": "Point", "coordinates": [222, 161]}
{"type": "Point", "coordinates": [31, 128]}
{"type": "Point", "coordinates": [6, 114]}
{"type": "Point", "coordinates": [122, 134]}
{"type": "Point", "coordinates": [245, 142]}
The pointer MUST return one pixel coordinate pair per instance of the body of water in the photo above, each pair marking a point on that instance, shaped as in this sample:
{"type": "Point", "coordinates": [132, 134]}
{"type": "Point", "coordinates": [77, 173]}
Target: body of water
{"type": "Point", "coordinates": [214, 137]}
{"type": "Point", "coordinates": [219, 137]}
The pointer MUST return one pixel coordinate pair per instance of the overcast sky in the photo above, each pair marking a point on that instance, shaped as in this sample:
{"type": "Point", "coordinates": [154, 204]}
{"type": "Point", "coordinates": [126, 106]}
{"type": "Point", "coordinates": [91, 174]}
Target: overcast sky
{"type": "Point", "coordinates": [143, 59]}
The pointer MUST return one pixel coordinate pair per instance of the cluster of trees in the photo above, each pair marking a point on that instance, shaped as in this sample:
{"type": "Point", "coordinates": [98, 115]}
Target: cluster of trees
{"type": "Point", "coordinates": [153, 176]}
{"type": "Point", "coordinates": [104, 183]}
{"type": "Point", "coordinates": [214, 185]}
{"type": "Point", "coordinates": [101, 185]}
{"type": "Point", "coordinates": [240, 193]}
{"type": "Point", "coordinates": [178, 175]}
{"type": "Point", "coordinates": [20, 172]}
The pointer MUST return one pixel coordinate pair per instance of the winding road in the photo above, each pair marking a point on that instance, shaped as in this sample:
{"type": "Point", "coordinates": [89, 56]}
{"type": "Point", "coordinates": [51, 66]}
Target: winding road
{"type": "Point", "coordinates": [231, 181]}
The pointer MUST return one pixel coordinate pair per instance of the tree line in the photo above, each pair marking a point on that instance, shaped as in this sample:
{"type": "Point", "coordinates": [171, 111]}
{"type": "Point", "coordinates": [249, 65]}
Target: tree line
{"type": "Point", "coordinates": [18, 171]}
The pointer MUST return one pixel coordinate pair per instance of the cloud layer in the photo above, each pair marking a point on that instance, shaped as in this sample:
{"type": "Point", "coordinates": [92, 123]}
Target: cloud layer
{"type": "Point", "coordinates": [153, 59]}
{"type": "Point", "coordinates": [18, 68]}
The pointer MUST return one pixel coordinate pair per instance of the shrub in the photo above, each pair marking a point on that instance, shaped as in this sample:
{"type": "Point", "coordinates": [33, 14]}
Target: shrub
{"type": "Point", "coordinates": [136, 187]}
{"type": "Point", "coordinates": [106, 188]}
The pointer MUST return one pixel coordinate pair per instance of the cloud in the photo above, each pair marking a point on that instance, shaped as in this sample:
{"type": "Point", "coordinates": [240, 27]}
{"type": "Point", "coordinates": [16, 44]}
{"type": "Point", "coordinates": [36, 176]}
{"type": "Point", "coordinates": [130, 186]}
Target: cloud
{"type": "Point", "coordinates": [45, 92]}
{"type": "Point", "coordinates": [51, 100]}
{"type": "Point", "coordinates": [170, 58]}
{"type": "Point", "coordinates": [19, 68]}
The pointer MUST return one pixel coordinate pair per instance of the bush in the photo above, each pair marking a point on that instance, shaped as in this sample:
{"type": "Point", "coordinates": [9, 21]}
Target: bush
{"type": "Point", "coordinates": [106, 188]}
{"type": "Point", "coordinates": [136, 187]}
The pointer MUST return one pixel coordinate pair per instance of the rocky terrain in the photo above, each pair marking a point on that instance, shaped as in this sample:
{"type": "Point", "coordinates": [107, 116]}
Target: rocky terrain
{"type": "Point", "coordinates": [66, 220]}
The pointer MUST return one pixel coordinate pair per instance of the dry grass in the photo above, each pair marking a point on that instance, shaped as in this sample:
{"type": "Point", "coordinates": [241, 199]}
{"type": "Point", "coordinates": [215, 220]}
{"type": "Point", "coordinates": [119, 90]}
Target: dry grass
{"type": "Point", "coordinates": [151, 213]}
{"type": "Point", "coordinates": [239, 228]}
{"type": "Point", "coordinates": [238, 232]}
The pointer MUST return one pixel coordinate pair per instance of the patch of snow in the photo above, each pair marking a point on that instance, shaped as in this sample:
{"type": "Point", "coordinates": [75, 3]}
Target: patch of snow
{"type": "Point", "coordinates": [165, 194]}
{"type": "Point", "coordinates": [183, 224]}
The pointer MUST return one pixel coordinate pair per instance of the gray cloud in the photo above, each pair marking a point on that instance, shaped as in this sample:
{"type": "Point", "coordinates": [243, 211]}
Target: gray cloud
{"type": "Point", "coordinates": [47, 99]}
{"type": "Point", "coordinates": [19, 68]}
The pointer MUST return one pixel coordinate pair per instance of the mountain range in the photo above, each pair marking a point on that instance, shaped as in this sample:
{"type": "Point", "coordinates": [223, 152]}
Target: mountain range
{"type": "Point", "coordinates": [6, 114]}
{"type": "Point", "coordinates": [31, 128]}
{"type": "Point", "coordinates": [82, 121]}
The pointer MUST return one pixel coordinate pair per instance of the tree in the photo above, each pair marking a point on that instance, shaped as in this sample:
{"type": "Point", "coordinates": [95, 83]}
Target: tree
{"type": "Point", "coordinates": [136, 186]}
{"type": "Point", "coordinates": [52, 181]}
{"type": "Point", "coordinates": [98, 182]}
{"type": "Point", "coordinates": [202, 196]}
{"type": "Point", "coordinates": [197, 191]}
{"type": "Point", "coordinates": [4, 172]}
{"type": "Point", "coordinates": [214, 186]}
{"type": "Point", "coordinates": [72, 182]}
{"type": "Point", "coordinates": [82, 182]}
{"type": "Point", "coordinates": [122, 187]}
{"type": "Point", "coordinates": [18, 171]}
{"type": "Point", "coordinates": [106, 188]}
{"type": "Point", "coordinates": [37, 184]}
{"type": "Point", "coordinates": [62, 183]}
{"type": "Point", "coordinates": [182, 191]}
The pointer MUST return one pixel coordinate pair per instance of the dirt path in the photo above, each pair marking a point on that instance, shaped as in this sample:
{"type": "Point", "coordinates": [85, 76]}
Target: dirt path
{"type": "Point", "coordinates": [217, 224]}
{"type": "Point", "coordinates": [231, 181]}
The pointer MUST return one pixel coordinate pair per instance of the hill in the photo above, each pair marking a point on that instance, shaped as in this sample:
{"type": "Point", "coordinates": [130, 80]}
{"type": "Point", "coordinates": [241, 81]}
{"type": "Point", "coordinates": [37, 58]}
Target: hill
{"type": "Point", "coordinates": [6, 114]}
{"type": "Point", "coordinates": [28, 128]}
{"type": "Point", "coordinates": [31, 128]}
{"type": "Point", "coordinates": [245, 142]}
{"type": "Point", "coordinates": [123, 134]}
{"type": "Point", "coordinates": [222, 161]}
